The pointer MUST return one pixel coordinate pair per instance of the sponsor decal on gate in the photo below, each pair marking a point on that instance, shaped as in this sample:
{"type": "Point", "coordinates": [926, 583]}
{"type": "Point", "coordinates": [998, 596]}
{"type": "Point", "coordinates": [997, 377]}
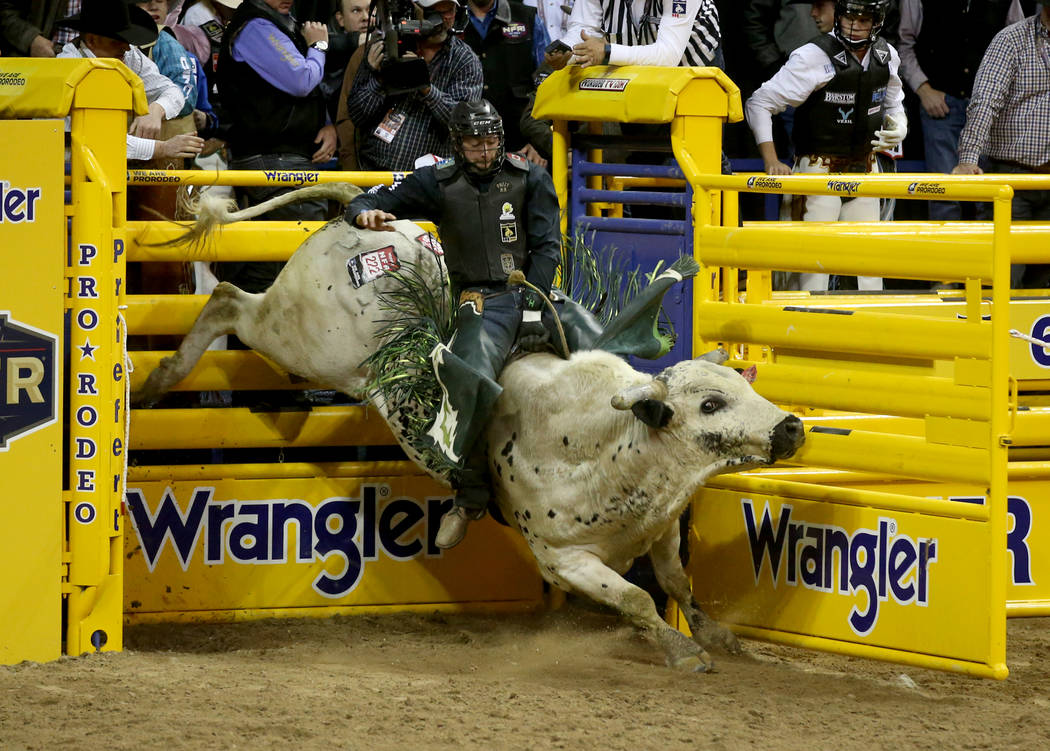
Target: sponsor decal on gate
{"type": "Point", "coordinates": [12, 78]}
{"type": "Point", "coordinates": [369, 266]}
{"type": "Point", "coordinates": [30, 385]}
{"type": "Point", "coordinates": [293, 178]}
{"type": "Point", "coordinates": [926, 189]}
{"type": "Point", "coordinates": [870, 565]}
{"type": "Point", "coordinates": [153, 176]}
{"type": "Point", "coordinates": [849, 187]}
{"type": "Point", "coordinates": [346, 531]}
{"type": "Point", "coordinates": [604, 84]}
{"type": "Point", "coordinates": [764, 182]}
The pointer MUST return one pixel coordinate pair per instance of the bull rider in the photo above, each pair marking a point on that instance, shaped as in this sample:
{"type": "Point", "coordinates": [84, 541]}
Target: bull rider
{"type": "Point", "coordinates": [497, 213]}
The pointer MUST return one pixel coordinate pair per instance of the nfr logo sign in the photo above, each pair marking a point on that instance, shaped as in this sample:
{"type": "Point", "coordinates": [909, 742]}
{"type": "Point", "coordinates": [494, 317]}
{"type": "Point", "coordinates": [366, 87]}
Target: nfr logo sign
{"type": "Point", "coordinates": [27, 376]}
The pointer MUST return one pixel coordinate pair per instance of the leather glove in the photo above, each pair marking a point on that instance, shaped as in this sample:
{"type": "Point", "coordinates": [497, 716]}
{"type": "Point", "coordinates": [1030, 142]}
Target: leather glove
{"type": "Point", "coordinates": [532, 334]}
{"type": "Point", "coordinates": [894, 129]}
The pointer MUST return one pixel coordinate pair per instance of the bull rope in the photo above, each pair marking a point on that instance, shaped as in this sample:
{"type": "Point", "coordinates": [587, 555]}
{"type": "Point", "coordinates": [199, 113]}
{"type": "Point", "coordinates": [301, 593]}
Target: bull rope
{"type": "Point", "coordinates": [1030, 339]}
{"type": "Point", "coordinates": [517, 278]}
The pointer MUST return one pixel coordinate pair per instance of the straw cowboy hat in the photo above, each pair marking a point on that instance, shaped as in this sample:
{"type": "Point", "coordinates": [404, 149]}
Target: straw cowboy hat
{"type": "Point", "coordinates": [114, 19]}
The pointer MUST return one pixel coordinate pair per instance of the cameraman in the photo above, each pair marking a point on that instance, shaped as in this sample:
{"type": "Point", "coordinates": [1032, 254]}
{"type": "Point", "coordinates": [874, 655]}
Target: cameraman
{"type": "Point", "coordinates": [393, 130]}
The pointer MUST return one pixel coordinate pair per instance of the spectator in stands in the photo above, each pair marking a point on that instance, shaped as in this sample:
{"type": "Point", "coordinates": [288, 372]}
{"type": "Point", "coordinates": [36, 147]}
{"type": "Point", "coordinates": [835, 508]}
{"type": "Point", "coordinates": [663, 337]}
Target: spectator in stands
{"type": "Point", "coordinates": [269, 75]}
{"type": "Point", "coordinates": [112, 28]}
{"type": "Point", "coordinates": [180, 67]}
{"type": "Point", "coordinates": [29, 29]}
{"type": "Point", "coordinates": [773, 30]}
{"type": "Point", "coordinates": [642, 32]}
{"type": "Point", "coordinates": [940, 54]}
{"type": "Point", "coordinates": [395, 129]}
{"type": "Point", "coordinates": [849, 104]}
{"type": "Point", "coordinates": [776, 28]}
{"type": "Point", "coordinates": [347, 30]}
{"type": "Point", "coordinates": [505, 36]}
{"type": "Point", "coordinates": [553, 16]}
{"type": "Point", "coordinates": [198, 27]}
{"type": "Point", "coordinates": [1008, 122]}
{"type": "Point", "coordinates": [171, 58]}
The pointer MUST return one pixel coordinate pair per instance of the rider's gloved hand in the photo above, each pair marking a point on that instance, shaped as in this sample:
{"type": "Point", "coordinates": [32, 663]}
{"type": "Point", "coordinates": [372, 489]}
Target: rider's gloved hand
{"type": "Point", "coordinates": [532, 334]}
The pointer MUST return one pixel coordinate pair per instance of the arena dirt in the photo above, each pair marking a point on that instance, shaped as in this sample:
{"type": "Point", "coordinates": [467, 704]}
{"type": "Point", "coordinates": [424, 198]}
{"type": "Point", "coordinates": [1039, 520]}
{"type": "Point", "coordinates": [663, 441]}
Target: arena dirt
{"type": "Point", "coordinates": [572, 679]}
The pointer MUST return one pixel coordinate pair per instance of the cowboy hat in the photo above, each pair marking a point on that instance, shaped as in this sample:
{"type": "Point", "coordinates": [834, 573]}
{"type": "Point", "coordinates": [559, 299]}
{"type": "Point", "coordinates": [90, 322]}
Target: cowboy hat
{"type": "Point", "coordinates": [114, 19]}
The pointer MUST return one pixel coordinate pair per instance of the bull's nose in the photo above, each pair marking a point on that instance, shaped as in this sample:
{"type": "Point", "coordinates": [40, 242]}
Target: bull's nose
{"type": "Point", "coordinates": [788, 435]}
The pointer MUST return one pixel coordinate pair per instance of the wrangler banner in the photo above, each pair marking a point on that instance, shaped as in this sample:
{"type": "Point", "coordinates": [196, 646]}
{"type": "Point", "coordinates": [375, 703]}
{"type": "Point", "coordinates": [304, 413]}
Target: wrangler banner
{"type": "Point", "coordinates": [224, 550]}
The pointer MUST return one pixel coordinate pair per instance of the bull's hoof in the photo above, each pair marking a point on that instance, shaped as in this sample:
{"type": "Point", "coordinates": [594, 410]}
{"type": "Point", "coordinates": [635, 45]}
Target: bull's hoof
{"type": "Point", "coordinates": [715, 636]}
{"type": "Point", "coordinates": [693, 664]}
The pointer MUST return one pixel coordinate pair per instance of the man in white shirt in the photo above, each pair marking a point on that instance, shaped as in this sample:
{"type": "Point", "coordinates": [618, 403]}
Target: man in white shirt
{"type": "Point", "coordinates": [112, 28]}
{"type": "Point", "coordinates": [849, 104]}
{"type": "Point", "coordinates": [642, 32]}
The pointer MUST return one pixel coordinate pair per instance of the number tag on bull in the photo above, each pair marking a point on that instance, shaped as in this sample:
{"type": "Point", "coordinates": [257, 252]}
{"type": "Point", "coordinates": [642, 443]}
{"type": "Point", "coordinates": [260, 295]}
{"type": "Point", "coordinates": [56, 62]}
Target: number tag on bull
{"type": "Point", "coordinates": [369, 266]}
{"type": "Point", "coordinates": [431, 243]}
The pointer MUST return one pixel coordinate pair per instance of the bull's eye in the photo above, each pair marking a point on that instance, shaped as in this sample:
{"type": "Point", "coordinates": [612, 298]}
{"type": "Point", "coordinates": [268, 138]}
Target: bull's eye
{"type": "Point", "coordinates": [711, 404]}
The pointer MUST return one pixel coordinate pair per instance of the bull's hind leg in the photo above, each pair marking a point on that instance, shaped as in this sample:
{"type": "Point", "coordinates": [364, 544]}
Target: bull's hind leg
{"type": "Point", "coordinates": [586, 574]}
{"type": "Point", "coordinates": [672, 579]}
{"type": "Point", "coordinates": [219, 316]}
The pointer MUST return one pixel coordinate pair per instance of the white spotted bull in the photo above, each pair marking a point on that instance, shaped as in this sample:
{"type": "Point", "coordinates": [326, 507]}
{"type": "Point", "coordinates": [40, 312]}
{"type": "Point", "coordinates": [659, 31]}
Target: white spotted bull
{"type": "Point", "coordinates": [593, 461]}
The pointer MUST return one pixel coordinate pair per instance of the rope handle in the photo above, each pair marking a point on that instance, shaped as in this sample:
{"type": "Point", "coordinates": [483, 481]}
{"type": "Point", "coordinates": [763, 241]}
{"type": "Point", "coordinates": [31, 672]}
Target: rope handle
{"type": "Point", "coordinates": [517, 279]}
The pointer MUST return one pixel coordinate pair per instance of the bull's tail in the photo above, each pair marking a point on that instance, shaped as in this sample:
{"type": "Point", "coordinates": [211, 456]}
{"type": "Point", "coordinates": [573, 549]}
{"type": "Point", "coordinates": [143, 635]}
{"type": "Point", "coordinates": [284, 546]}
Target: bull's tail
{"type": "Point", "coordinates": [214, 211]}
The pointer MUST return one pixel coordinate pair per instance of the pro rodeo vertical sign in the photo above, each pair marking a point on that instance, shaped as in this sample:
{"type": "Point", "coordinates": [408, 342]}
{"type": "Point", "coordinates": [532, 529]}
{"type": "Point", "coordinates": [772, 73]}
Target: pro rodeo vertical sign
{"type": "Point", "coordinates": [32, 239]}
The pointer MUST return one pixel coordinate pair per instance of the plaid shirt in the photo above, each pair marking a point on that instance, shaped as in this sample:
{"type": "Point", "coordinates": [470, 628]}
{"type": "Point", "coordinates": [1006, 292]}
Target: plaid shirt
{"type": "Point", "coordinates": [65, 34]}
{"type": "Point", "coordinates": [1009, 114]}
{"type": "Point", "coordinates": [455, 76]}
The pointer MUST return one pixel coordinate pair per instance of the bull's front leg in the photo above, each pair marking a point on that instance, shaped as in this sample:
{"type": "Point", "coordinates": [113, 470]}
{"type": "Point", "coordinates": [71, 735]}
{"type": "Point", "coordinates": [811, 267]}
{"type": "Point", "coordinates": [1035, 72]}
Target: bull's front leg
{"type": "Point", "coordinates": [585, 573]}
{"type": "Point", "coordinates": [672, 579]}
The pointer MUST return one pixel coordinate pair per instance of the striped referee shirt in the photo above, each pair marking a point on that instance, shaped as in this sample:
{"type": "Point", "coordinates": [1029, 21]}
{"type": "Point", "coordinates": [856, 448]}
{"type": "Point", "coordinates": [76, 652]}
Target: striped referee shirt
{"type": "Point", "coordinates": [650, 32]}
{"type": "Point", "coordinates": [1009, 114]}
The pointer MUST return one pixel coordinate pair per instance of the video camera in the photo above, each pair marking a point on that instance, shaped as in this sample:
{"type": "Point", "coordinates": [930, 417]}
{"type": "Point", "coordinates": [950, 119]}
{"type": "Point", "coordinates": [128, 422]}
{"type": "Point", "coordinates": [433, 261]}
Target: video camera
{"type": "Point", "coordinates": [402, 26]}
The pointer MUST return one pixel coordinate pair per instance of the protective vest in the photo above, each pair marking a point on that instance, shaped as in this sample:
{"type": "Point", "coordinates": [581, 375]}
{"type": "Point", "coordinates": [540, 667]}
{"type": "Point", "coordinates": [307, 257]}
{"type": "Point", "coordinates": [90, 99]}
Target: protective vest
{"type": "Point", "coordinates": [483, 233]}
{"type": "Point", "coordinates": [953, 39]}
{"type": "Point", "coordinates": [840, 119]}
{"type": "Point", "coordinates": [507, 63]}
{"type": "Point", "coordinates": [264, 119]}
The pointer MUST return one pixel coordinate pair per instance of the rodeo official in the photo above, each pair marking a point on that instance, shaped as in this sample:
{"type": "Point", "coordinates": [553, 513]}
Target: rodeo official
{"type": "Point", "coordinates": [496, 213]}
{"type": "Point", "coordinates": [849, 104]}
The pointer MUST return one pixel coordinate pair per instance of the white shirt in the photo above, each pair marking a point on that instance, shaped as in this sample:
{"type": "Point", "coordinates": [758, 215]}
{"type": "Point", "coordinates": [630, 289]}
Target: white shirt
{"type": "Point", "coordinates": [807, 69]}
{"type": "Point", "coordinates": [671, 38]}
{"type": "Point", "coordinates": [159, 88]}
{"type": "Point", "coordinates": [199, 13]}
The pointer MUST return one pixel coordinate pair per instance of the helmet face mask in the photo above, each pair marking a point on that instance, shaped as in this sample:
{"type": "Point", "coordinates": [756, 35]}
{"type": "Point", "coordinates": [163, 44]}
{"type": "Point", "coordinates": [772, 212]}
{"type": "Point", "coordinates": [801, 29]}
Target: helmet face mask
{"type": "Point", "coordinates": [849, 12]}
{"type": "Point", "coordinates": [472, 127]}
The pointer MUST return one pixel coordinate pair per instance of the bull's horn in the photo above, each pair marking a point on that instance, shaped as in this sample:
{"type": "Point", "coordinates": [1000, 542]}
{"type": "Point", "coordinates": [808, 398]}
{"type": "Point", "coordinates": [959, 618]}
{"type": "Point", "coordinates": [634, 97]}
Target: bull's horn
{"type": "Point", "coordinates": [717, 356]}
{"type": "Point", "coordinates": [656, 390]}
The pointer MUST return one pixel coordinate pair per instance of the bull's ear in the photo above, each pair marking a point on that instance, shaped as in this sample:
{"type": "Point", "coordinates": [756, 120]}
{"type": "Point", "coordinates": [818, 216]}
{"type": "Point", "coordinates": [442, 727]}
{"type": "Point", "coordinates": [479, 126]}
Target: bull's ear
{"type": "Point", "coordinates": [655, 414]}
{"type": "Point", "coordinates": [750, 374]}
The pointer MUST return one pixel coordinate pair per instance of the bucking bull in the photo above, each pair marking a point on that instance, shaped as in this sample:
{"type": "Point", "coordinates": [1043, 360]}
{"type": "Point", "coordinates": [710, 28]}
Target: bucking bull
{"type": "Point", "coordinates": [592, 460]}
